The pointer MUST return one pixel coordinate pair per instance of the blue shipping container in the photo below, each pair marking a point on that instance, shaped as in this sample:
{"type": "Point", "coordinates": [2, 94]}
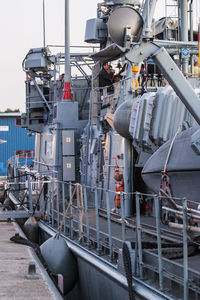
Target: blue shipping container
{"type": "Point", "coordinates": [14, 140]}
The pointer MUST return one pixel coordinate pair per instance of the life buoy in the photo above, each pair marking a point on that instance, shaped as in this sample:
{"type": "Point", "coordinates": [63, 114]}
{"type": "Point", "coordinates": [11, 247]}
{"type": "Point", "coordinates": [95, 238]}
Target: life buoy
{"type": "Point", "coordinates": [119, 188]}
{"type": "Point", "coordinates": [135, 84]}
{"type": "Point", "coordinates": [119, 185]}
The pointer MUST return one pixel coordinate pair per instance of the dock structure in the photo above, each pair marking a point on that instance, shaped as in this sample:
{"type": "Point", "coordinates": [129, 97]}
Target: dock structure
{"type": "Point", "coordinates": [14, 265]}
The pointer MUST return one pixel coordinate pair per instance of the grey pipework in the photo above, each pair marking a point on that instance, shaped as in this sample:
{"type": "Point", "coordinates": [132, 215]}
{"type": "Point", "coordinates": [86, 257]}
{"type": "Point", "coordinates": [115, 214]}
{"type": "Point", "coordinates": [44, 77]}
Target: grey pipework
{"type": "Point", "coordinates": [172, 73]}
{"type": "Point", "coordinates": [184, 31]}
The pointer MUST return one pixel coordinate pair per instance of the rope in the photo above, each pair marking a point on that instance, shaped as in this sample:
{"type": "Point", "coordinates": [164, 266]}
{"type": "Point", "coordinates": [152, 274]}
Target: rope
{"type": "Point", "coordinates": [80, 208]}
{"type": "Point", "coordinates": [78, 190]}
{"type": "Point", "coordinates": [66, 211]}
{"type": "Point", "coordinates": [107, 190]}
{"type": "Point", "coordinates": [166, 180]}
{"type": "Point", "coordinates": [128, 270]}
{"type": "Point", "coordinates": [170, 148]}
{"type": "Point", "coordinates": [22, 241]}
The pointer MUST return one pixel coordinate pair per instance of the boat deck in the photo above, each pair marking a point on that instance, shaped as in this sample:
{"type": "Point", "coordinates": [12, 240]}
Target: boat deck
{"type": "Point", "coordinates": [14, 262]}
{"type": "Point", "coordinates": [148, 225]}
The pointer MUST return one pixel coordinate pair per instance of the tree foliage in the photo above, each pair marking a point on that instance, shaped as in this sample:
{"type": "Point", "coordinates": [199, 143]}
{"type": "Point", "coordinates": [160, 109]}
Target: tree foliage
{"type": "Point", "coordinates": [9, 110]}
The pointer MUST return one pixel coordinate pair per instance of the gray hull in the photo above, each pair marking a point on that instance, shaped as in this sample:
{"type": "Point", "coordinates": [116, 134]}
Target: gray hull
{"type": "Point", "coordinates": [183, 167]}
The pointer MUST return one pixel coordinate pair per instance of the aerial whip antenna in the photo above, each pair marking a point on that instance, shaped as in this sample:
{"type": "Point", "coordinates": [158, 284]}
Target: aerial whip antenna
{"type": "Point", "coordinates": [67, 90]}
{"type": "Point", "coordinates": [44, 41]}
{"type": "Point", "coordinates": [199, 42]}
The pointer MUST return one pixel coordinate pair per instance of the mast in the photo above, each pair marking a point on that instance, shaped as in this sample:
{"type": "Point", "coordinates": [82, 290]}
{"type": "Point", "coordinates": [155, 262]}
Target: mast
{"type": "Point", "coordinates": [44, 39]}
{"type": "Point", "coordinates": [191, 34]}
{"type": "Point", "coordinates": [67, 90]}
{"type": "Point", "coordinates": [199, 42]}
{"type": "Point", "coordinates": [184, 30]}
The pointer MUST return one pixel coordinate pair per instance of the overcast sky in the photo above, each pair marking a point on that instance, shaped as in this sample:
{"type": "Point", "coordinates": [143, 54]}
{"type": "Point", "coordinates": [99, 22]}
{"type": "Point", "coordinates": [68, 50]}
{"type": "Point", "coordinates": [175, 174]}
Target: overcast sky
{"type": "Point", "coordinates": [21, 29]}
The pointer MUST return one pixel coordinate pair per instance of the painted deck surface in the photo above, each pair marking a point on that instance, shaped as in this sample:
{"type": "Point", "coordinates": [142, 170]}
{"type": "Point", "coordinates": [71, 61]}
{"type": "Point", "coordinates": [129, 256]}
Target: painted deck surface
{"type": "Point", "coordinates": [14, 261]}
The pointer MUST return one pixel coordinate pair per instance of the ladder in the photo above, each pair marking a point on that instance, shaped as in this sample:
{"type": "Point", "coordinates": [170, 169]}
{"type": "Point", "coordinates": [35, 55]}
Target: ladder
{"type": "Point", "coordinates": [172, 11]}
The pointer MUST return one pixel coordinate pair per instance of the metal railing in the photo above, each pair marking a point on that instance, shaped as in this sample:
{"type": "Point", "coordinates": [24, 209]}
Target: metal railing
{"type": "Point", "coordinates": [18, 161]}
{"type": "Point", "coordinates": [74, 209]}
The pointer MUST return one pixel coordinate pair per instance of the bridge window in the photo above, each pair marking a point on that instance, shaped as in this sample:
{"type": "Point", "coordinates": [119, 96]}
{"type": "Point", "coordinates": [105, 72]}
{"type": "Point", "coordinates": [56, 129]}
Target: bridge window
{"type": "Point", "coordinates": [24, 153]}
